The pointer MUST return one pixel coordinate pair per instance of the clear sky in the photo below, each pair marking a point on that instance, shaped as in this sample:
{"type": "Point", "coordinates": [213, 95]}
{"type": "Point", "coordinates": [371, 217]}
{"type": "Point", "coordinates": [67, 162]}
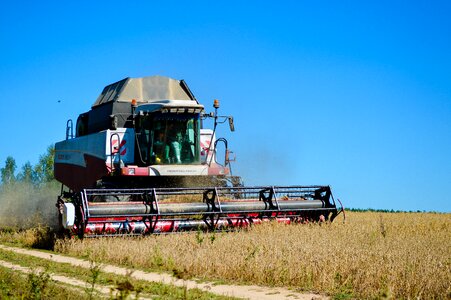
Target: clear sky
{"type": "Point", "coordinates": [345, 93]}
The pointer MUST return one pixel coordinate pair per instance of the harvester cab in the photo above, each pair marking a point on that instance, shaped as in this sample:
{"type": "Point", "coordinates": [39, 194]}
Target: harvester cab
{"type": "Point", "coordinates": [141, 162]}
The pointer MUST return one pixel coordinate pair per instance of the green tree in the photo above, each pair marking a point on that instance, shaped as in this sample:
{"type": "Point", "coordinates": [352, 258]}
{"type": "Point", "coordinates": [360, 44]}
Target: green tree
{"type": "Point", "coordinates": [27, 173]}
{"type": "Point", "coordinates": [43, 170]}
{"type": "Point", "coordinates": [7, 172]}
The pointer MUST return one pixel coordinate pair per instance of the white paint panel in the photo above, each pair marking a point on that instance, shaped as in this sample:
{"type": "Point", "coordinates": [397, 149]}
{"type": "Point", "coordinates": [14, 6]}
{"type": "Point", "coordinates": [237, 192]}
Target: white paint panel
{"type": "Point", "coordinates": [72, 151]}
{"type": "Point", "coordinates": [174, 170]}
{"type": "Point", "coordinates": [125, 146]}
{"type": "Point", "coordinates": [205, 140]}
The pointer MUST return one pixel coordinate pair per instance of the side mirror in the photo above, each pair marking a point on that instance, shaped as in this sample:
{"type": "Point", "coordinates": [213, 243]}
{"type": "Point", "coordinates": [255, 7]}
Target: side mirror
{"type": "Point", "coordinates": [231, 125]}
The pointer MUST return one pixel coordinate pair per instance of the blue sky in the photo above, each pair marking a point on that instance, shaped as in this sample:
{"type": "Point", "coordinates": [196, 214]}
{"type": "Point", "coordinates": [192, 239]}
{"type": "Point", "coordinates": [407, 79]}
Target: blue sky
{"type": "Point", "coordinates": [345, 93]}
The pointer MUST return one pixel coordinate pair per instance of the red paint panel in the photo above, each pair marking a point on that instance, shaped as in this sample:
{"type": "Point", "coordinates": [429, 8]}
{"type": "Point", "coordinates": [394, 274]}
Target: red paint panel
{"type": "Point", "coordinates": [78, 177]}
{"type": "Point", "coordinates": [216, 169]}
{"type": "Point", "coordinates": [139, 171]}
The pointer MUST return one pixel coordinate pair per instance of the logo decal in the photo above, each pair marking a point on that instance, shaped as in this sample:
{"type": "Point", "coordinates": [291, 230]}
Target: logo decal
{"type": "Point", "coordinates": [121, 147]}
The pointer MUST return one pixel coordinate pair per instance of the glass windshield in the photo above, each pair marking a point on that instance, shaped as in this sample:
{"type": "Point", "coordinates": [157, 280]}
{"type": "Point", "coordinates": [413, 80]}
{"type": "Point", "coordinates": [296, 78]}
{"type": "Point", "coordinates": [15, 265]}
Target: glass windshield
{"type": "Point", "coordinates": [168, 138]}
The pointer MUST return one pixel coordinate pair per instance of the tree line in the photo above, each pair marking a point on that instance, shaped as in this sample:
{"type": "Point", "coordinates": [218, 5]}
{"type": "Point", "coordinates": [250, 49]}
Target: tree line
{"type": "Point", "coordinates": [40, 173]}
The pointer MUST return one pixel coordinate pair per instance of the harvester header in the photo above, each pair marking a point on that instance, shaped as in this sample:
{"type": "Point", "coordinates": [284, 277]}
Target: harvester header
{"type": "Point", "coordinates": [140, 162]}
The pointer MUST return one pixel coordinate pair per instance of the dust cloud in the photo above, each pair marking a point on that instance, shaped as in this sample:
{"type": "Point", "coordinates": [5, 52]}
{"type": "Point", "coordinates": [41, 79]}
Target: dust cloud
{"type": "Point", "coordinates": [23, 205]}
{"type": "Point", "coordinates": [265, 166]}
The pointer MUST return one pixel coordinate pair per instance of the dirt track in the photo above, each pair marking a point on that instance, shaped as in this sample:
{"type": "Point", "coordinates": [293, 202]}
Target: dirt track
{"type": "Point", "coordinates": [240, 291]}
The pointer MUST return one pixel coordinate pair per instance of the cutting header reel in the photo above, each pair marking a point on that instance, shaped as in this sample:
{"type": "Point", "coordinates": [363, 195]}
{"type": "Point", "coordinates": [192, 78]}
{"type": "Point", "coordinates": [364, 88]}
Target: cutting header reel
{"type": "Point", "coordinates": [103, 212]}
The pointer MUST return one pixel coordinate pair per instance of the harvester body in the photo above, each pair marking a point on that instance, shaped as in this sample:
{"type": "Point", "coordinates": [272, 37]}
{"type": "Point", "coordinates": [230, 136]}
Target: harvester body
{"type": "Point", "coordinates": [140, 162]}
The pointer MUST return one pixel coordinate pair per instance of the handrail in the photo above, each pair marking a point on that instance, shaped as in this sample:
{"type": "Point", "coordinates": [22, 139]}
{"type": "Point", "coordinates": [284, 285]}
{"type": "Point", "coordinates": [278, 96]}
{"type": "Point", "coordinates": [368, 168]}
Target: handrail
{"type": "Point", "coordinates": [69, 129]}
{"type": "Point", "coordinates": [226, 161]}
{"type": "Point", "coordinates": [118, 150]}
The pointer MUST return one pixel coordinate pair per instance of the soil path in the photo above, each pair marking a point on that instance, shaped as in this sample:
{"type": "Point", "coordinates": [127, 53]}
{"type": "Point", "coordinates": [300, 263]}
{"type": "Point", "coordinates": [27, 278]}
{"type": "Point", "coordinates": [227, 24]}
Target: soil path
{"type": "Point", "coordinates": [252, 292]}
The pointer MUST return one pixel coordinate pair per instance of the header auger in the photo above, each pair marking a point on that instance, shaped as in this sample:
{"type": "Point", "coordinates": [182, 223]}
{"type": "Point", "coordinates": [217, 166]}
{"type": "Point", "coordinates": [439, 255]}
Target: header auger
{"type": "Point", "coordinates": [141, 163]}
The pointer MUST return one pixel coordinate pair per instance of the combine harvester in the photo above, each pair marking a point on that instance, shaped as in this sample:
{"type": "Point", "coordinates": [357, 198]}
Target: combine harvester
{"type": "Point", "coordinates": [141, 162]}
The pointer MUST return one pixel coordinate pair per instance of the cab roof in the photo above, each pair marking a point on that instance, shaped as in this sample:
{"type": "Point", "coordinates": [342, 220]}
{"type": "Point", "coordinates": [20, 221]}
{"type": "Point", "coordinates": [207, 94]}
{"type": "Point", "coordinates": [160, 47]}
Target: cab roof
{"type": "Point", "coordinates": [148, 89]}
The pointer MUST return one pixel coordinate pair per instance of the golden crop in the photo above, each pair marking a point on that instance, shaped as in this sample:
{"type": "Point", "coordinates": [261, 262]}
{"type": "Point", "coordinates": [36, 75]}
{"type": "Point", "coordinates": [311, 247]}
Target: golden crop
{"type": "Point", "coordinates": [372, 255]}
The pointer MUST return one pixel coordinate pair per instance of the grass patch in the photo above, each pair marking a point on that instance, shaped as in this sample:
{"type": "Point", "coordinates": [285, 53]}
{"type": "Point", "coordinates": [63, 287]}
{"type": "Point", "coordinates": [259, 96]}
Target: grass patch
{"type": "Point", "coordinates": [14, 285]}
